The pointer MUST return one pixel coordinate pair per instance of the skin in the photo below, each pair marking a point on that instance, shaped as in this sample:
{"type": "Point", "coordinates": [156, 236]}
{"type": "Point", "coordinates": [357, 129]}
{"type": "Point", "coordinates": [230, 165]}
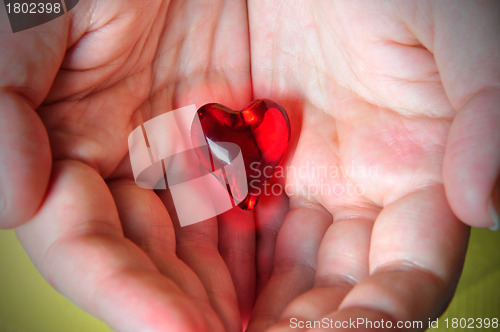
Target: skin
{"type": "Point", "coordinates": [406, 90]}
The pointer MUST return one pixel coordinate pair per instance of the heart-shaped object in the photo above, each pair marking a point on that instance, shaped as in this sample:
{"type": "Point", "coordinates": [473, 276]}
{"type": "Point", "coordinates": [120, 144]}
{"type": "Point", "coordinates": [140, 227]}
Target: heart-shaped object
{"type": "Point", "coordinates": [260, 132]}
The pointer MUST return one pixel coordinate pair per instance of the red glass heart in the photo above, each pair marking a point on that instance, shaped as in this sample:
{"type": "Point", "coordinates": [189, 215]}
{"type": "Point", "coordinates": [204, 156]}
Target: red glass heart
{"type": "Point", "coordinates": [261, 131]}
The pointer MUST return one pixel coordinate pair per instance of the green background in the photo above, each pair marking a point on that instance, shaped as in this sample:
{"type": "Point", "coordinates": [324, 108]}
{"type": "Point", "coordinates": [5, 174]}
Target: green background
{"type": "Point", "coordinates": [29, 304]}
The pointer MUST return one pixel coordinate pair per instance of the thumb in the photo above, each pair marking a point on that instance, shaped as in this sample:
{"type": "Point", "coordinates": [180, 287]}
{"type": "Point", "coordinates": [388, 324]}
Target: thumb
{"type": "Point", "coordinates": [472, 161]}
{"type": "Point", "coordinates": [467, 52]}
{"type": "Point", "coordinates": [29, 61]}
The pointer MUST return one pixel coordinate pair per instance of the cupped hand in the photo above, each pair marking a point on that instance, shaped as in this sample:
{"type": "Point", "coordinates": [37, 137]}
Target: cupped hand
{"type": "Point", "coordinates": [73, 90]}
{"type": "Point", "coordinates": [397, 107]}
{"type": "Point", "coordinates": [373, 93]}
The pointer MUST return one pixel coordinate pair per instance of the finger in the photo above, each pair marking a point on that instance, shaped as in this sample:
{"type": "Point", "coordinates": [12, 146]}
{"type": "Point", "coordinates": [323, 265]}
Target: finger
{"type": "Point", "coordinates": [471, 167]}
{"type": "Point", "coordinates": [344, 252]}
{"type": "Point", "coordinates": [294, 263]}
{"type": "Point", "coordinates": [237, 248]}
{"type": "Point", "coordinates": [470, 76]}
{"type": "Point", "coordinates": [76, 242]}
{"type": "Point", "coordinates": [197, 246]}
{"type": "Point", "coordinates": [25, 161]}
{"type": "Point", "coordinates": [471, 80]}
{"type": "Point", "coordinates": [268, 218]}
{"type": "Point", "coordinates": [416, 255]}
{"type": "Point", "coordinates": [30, 60]}
{"type": "Point", "coordinates": [146, 222]}
{"type": "Point", "coordinates": [342, 262]}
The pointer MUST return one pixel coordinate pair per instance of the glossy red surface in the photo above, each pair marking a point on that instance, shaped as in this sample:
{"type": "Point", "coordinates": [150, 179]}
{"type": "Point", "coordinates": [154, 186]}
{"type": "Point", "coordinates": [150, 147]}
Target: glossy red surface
{"type": "Point", "coordinates": [261, 131]}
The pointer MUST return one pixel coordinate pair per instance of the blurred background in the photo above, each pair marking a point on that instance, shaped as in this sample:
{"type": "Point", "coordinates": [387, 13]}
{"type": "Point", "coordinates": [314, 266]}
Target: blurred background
{"type": "Point", "coordinates": [29, 304]}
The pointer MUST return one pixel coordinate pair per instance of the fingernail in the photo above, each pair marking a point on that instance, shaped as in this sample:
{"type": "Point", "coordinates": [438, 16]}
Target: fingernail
{"type": "Point", "coordinates": [494, 207]}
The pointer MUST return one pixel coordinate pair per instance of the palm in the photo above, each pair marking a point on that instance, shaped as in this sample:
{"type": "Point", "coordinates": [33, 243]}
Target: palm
{"type": "Point", "coordinates": [343, 121]}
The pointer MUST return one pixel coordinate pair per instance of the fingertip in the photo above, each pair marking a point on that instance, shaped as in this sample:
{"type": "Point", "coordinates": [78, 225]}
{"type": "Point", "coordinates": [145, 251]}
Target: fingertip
{"type": "Point", "coordinates": [25, 161]}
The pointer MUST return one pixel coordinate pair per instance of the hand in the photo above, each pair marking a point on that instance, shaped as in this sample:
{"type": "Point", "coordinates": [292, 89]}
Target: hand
{"type": "Point", "coordinates": [93, 234]}
{"type": "Point", "coordinates": [403, 98]}
{"type": "Point", "coordinates": [83, 251]}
